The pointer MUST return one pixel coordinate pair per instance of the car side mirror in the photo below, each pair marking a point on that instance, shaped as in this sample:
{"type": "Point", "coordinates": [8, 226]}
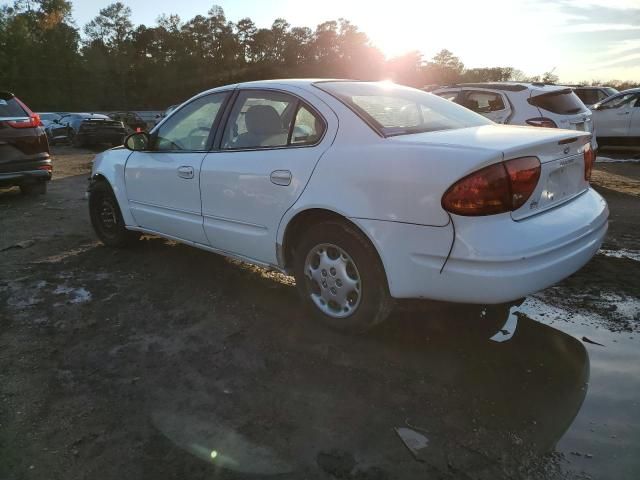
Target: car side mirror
{"type": "Point", "coordinates": [138, 141]}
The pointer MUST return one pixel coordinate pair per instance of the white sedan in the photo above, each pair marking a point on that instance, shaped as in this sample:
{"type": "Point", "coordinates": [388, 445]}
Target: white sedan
{"type": "Point", "coordinates": [365, 192]}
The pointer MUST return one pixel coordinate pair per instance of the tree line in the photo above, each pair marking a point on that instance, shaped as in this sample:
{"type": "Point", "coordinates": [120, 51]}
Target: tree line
{"type": "Point", "coordinates": [115, 64]}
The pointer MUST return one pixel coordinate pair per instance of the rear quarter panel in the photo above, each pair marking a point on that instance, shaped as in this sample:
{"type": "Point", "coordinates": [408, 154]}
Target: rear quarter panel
{"type": "Point", "coordinates": [389, 180]}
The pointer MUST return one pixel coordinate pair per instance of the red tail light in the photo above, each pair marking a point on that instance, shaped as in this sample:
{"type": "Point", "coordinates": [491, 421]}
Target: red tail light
{"type": "Point", "coordinates": [502, 187]}
{"type": "Point", "coordinates": [31, 122]}
{"type": "Point", "coordinates": [589, 160]}
{"type": "Point", "coordinates": [542, 122]}
{"type": "Point", "coordinates": [48, 168]}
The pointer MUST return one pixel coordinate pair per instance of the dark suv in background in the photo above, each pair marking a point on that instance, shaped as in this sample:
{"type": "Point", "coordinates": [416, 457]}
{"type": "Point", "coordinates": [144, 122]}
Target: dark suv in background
{"type": "Point", "coordinates": [25, 160]}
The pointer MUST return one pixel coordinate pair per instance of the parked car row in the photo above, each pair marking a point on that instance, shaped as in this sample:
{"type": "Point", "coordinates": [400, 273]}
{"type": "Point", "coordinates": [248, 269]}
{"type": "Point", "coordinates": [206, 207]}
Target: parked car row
{"type": "Point", "coordinates": [612, 117]}
{"type": "Point", "coordinates": [83, 129]}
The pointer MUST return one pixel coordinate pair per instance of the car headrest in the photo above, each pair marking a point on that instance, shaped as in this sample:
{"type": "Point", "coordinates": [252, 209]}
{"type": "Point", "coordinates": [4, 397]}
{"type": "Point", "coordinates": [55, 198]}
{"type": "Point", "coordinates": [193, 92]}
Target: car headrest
{"type": "Point", "coordinates": [263, 120]}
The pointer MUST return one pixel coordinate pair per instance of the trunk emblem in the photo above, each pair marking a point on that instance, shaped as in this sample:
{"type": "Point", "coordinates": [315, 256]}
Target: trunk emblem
{"type": "Point", "coordinates": [567, 150]}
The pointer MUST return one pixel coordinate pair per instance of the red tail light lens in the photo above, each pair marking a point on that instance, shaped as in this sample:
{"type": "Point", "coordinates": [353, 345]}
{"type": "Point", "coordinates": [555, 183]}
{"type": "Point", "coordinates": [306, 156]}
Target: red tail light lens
{"type": "Point", "coordinates": [524, 174]}
{"type": "Point", "coordinates": [589, 160]}
{"type": "Point", "coordinates": [31, 122]}
{"type": "Point", "coordinates": [502, 187]}
{"type": "Point", "coordinates": [541, 122]}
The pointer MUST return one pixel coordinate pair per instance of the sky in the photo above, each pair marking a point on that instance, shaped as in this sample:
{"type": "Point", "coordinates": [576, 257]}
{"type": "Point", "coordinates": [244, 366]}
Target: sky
{"type": "Point", "coordinates": [577, 39]}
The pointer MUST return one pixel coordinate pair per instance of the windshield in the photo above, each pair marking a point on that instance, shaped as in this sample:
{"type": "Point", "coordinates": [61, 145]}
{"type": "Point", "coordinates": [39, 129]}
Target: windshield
{"type": "Point", "coordinates": [610, 91]}
{"type": "Point", "coordinates": [395, 110]}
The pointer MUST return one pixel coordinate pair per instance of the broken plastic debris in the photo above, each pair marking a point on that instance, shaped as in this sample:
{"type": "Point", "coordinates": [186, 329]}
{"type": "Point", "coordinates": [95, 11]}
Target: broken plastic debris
{"type": "Point", "coordinates": [508, 330]}
{"type": "Point", "coordinates": [23, 244]}
{"type": "Point", "coordinates": [414, 441]}
{"type": "Point", "coordinates": [587, 340]}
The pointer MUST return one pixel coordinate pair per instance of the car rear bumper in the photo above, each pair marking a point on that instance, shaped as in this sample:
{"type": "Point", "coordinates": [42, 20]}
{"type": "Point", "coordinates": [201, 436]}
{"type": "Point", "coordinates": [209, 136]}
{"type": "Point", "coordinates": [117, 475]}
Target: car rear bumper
{"type": "Point", "coordinates": [20, 178]}
{"type": "Point", "coordinates": [494, 259]}
{"type": "Point", "coordinates": [27, 171]}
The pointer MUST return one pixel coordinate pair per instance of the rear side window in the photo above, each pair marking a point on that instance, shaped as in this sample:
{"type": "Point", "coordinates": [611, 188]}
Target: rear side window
{"type": "Point", "coordinates": [270, 119]}
{"type": "Point", "coordinates": [563, 102]}
{"type": "Point", "coordinates": [589, 96]}
{"type": "Point", "coordinates": [451, 95]}
{"type": "Point", "coordinates": [483, 102]}
{"type": "Point", "coordinates": [9, 107]}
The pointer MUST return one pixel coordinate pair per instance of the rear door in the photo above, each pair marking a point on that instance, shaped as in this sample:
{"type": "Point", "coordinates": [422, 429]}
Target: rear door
{"type": "Point", "coordinates": [491, 104]}
{"type": "Point", "coordinates": [267, 152]}
{"type": "Point", "coordinates": [163, 183]}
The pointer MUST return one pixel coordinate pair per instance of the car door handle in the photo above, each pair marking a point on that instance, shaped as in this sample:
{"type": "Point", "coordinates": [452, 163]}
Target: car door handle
{"type": "Point", "coordinates": [281, 177]}
{"type": "Point", "coordinates": [185, 171]}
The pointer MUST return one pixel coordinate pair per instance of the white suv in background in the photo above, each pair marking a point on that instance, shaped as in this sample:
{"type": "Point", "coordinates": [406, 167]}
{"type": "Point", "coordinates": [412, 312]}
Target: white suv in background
{"type": "Point", "coordinates": [517, 103]}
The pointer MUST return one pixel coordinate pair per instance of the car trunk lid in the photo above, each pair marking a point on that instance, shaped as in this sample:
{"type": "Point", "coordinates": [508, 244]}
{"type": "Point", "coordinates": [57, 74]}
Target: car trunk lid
{"type": "Point", "coordinates": [561, 154]}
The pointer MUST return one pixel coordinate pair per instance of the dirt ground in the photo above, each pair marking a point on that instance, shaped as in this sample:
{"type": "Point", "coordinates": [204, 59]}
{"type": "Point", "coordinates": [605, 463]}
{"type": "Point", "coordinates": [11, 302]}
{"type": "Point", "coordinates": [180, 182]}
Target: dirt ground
{"type": "Point", "coordinates": [166, 362]}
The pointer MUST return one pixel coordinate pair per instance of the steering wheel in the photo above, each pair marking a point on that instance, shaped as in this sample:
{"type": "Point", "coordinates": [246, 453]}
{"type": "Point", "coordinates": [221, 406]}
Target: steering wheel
{"type": "Point", "coordinates": [197, 129]}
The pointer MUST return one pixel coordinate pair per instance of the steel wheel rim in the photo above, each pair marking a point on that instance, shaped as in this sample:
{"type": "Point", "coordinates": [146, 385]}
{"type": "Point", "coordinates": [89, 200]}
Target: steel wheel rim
{"type": "Point", "coordinates": [107, 215]}
{"type": "Point", "coordinates": [333, 280]}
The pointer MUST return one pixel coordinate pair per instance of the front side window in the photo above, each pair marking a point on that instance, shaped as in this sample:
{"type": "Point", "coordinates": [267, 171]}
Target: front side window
{"type": "Point", "coordinates": [190, 127]}
{"type": "Point", "coordinates": [396, 110]}
{"type": "Point", "coordinates": [269, 119]}
{"type": "Point", "coordinates": [620, 101]}
{"type": "Point", "coordinates": [483, 102]}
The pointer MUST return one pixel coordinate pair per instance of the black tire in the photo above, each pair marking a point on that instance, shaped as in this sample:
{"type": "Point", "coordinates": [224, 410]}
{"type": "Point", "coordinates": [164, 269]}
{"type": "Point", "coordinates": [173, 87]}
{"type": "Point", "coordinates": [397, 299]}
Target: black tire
{"type": "Point", "coordinates": [106, 217]}
{"type": "Point", "coordinates": [372, 305]}
{"type": "Point", "coordinates": [37, 188]}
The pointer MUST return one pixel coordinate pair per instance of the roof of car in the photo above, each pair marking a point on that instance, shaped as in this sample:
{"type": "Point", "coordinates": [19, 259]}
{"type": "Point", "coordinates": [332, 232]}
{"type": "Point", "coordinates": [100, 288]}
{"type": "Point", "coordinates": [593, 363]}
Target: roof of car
{"type": "Point", "coordinates": [631, 90]}
{"type": "Point", "coordinates": [509, 86]}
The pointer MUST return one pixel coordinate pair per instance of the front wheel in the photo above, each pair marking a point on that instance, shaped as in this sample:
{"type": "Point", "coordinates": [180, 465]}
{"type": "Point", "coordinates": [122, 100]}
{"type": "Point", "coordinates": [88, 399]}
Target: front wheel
{"type": "Point", "coordinates": [106, 217]}
{"type": "Point", "coordinates": [340, 277]}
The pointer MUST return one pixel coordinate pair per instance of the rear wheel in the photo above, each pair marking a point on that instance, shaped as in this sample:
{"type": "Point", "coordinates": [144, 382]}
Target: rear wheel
{"type": "Point", "coordinates": [106, 217]}
{"type": "Point", "coordinates": [340, 277]}
{"type": "Point", "coordinates": [37, 188]}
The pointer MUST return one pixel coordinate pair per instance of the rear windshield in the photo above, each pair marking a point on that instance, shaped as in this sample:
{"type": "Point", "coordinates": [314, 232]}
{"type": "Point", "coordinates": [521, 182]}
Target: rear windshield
{"type": "Point", "coordinates": [563, 102]}
{"type": "Point", "coordinates": [395, 110]}
{"type": "Point", "coordinates": [9, 107]}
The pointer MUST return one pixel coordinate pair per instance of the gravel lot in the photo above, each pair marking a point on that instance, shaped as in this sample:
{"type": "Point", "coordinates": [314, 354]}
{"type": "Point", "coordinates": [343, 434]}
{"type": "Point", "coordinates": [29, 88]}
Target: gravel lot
{"type": "Point", "coordinates": [164, 361]}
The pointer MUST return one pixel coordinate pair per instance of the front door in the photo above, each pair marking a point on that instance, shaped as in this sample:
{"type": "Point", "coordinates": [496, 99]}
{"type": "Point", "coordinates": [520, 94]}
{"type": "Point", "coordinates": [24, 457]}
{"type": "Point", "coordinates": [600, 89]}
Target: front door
{"type": "Point", "coordinates": [163, 183]}
{"type": "Point", "coordinates": [268, 150]}
{"type": "Point", "coordinates": [613, 117]}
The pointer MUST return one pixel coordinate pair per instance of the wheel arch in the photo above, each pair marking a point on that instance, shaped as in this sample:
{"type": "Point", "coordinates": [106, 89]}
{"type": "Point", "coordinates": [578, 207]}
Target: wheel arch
{"type": "Point", "coordinates": [295, 227]}
{"type": "Point", "coordinates": [113, 174]}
